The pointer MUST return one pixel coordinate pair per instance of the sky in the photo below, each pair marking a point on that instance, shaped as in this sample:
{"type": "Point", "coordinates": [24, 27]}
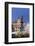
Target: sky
{"type": "Point", "coordinates": [18, 12]}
